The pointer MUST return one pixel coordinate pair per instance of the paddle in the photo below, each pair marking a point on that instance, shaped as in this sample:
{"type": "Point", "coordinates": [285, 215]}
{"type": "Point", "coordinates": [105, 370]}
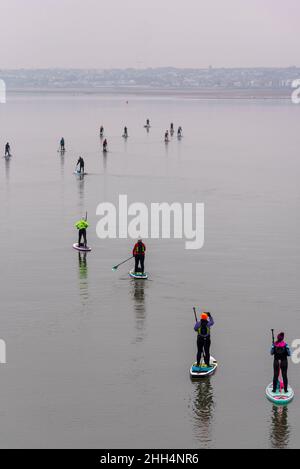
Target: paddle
{"type": "Point", "coordinates": [195, 313]}
{"type": "Point", "coordinates": [117, 266]}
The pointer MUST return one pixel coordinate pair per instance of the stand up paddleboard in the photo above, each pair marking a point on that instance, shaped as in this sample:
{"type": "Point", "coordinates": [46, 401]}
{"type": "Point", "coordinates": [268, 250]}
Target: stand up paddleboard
{"type": "Point", "coordinates": [138, 275]}
{"type": "Point", "coordinates": [81, 248]}
{"type": "Point", "coordinates": [79, 173]}
{"type": "Point", "coordinates": [203, 371]}
{"type": "Point", "coordinates": [279, 397]}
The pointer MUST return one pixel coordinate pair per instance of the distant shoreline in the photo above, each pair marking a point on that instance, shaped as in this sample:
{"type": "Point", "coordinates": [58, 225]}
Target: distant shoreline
{"type": "Point", "coordinates": [207, 93]}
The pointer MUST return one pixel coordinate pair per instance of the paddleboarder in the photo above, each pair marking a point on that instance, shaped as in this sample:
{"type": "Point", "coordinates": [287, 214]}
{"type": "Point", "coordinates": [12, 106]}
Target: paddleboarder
{"type": "Point", "coordinates": [139, 252]}
{"type": "Point", "coordinates": [7, 149]}
{"type": "Point", "coordinates": [101, 131]}
{"type": "Point", "coordinates": [82, 226]}
{"type": "Point", "coordinates": [179, 132]}
{"type": "Point", "coordinates": [105, 146]}
{"type": "Point", "coordinates": [125, 134]}
{"type": "Point", "coordinates": [281, 351]}
{"type": "Point", "coordinates": [80, 163]}
{"type": "Point", "coordinates": [62, 145]}
{"type": "Point", "coordinates": [166, 136]}
{"type": "Point", "coordinates": [202, 328]}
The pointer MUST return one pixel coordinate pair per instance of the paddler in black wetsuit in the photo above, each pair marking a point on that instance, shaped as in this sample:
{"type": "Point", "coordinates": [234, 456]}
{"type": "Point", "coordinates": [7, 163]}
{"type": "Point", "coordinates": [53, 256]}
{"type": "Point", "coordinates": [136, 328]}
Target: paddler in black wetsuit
{"type": "Point", "coordinates": [80, 163]}
{"type": "Point", "coordinates": [139, 252]}
{"type": "Point", "coordinates": [105, 146]}
{"type": "Point", "coordinates": [62, 145]}
{"type": "Point", "coordinates": [281, 351]}
{"type": "Point", "coordinates": [7, 149]}
{"type": "Point", "coordinates": [203, 327]}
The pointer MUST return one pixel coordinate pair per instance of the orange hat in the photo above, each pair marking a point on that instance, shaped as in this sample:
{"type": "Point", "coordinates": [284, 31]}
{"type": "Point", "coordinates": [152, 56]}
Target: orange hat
{"type": "Point", "coordinates": [204, 316]}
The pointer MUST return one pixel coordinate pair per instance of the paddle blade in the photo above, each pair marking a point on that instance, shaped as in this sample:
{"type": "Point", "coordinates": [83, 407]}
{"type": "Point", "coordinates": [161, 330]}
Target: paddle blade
{"type": "Point", "coordinates": [114, 269]}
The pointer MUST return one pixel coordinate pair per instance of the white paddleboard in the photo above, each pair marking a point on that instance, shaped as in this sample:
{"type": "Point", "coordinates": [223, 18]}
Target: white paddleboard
{"type": "Point", "coordinates": [279, 397]}
{"type": "Point", "coordinates": [138, 275]}
{"type": "Point", "coordinates": [203, 371]}
{"type": "Point", "coordinates": [78, 173]}
{"type": "Point", "coordinates": [81, 248]}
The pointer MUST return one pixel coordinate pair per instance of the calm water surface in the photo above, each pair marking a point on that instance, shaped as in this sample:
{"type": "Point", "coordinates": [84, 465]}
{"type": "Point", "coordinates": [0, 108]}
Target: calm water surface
{"type": "Point", "coordinates": [98, 360]}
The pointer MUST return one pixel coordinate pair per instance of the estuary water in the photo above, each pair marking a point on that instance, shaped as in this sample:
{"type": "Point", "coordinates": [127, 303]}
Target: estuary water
{"type": "Point", "coordinates": [97, 360]}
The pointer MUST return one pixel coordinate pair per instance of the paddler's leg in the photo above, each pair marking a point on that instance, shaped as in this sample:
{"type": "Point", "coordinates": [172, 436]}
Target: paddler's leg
{"type": "Point", "coordinates": [143, 264]}
{"type": "Point", "coordinates": [284, 369]}
{"type": "Point", "coordinates": [207, 344]}
{"type": "Point", "coordinates": [276, 375]}
{"type": "Point", "coordinates": [136, 268]}
{"type": "Point", "coordinates": [200, 344]}
{"type": "Point", "coordinates": [84, 238]}
{"type": "Point", "coordinates": [79, 237]}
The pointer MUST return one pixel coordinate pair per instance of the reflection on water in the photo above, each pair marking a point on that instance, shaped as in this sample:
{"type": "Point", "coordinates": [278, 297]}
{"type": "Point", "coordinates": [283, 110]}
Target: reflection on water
{"type": "Point", "coordinates": [62, 163]}
{"type": "Point", "coordinates": [203, 409]}
{"type": "Point", "coordinates": [104, 162]}
{"type": "Point", "coordinates": [7, 169]}
{"type": "Point", "coordinates": [80, 181]}
{"type": "Point", "coordinates": [83, 276]}
{"type": "Point", "coordinates": [138, 295]}
{"type": "Point", "coordinates": [280, 429]}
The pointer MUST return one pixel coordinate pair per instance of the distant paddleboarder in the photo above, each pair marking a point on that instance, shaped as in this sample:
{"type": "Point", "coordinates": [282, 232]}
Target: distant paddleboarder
{"type": "Point", "coordinates": [62, 145]}
{"type": "Point", "coordinates": [125, 134]}
{"type": "Point", "coordinates": [281, 351]}
{"type": "Point", "coordinates": [166, 136]}
{"type": "Point", "coordinates": [7, 150]}
{"type": "Point", "coordinates": [80, 164]}
{"type": "Point", "coordinates": [202, 328]}
{"type": "Point", "coordinates": [105, 146]}
{"type": "Point", "coordinates": [139, 252]}
{"type": "Point", "coordinates": [82, 226]}
{"type": "Point", "coordinates": [179, 132]}
{"type": "Point", "coordinates": [101, 131]}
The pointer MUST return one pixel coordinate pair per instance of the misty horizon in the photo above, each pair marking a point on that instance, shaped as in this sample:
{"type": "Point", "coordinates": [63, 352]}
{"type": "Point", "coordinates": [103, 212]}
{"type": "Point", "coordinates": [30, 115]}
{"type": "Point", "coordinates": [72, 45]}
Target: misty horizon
{"type": "Point", "coordinates": [98, 34]}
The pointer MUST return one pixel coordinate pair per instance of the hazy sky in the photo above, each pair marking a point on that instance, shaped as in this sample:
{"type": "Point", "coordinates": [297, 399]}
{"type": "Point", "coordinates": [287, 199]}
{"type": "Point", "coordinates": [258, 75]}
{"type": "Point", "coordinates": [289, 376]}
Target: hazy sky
{"type": "Point", "coordinates": [149, 33]}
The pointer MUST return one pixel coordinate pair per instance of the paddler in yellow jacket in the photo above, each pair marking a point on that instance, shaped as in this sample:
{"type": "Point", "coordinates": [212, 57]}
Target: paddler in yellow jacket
{"type": "Point", "coordinates": [82, 226]}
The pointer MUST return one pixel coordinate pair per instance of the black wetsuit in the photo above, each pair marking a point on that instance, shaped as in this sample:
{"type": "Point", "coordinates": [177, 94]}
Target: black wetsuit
{"type": "Point", "coordinates": [80, 163]}
{"type": "Point", "coordinates": [82, 234]}
{"type": "Point", "coordinates": [280, 363]}
{"type": "Point", "coordinates": [203, 339]}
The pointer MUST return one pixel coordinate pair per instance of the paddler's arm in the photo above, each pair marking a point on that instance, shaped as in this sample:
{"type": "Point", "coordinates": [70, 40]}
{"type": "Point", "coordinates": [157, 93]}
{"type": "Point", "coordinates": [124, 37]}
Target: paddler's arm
{"type": "Point", "coordinates": [211, 321]}
{"type": "Point", "coordinates": [288, 350]}
{"type": "Point", "coordinates": [197, 326]}
{"type": "Point", "coordinates": [272, 350]}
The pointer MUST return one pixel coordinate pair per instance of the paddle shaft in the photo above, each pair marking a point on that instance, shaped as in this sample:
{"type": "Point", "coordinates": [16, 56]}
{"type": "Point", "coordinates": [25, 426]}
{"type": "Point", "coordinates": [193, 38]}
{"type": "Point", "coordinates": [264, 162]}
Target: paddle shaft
{"type": "Point", "coordinates": [195, 313]}
{"type": "Point", "coordinates": [117, 266]}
